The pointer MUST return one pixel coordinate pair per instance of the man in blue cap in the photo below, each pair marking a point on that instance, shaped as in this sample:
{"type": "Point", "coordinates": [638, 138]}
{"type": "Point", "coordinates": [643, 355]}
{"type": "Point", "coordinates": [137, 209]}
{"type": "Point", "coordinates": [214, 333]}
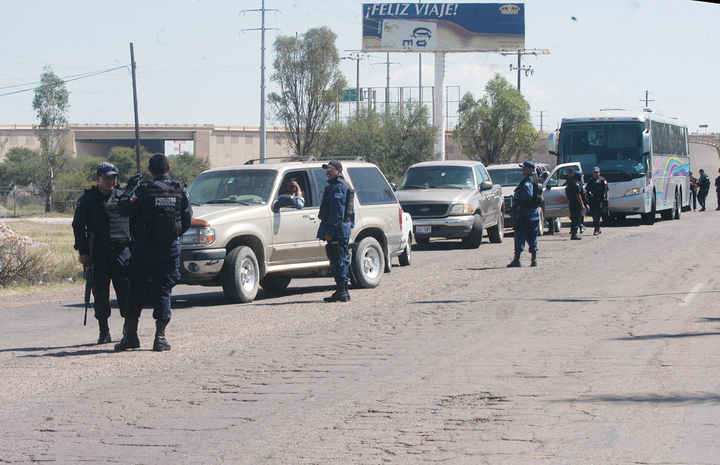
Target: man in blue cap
{"type": "Point", "coordinates": [527, 200]}
{"type": "Point", "coordinates": [96, 213]}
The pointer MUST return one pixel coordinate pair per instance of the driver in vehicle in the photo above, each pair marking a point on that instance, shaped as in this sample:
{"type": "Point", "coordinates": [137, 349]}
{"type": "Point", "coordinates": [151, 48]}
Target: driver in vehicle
{"type": "Point", "coordinates": [292, 188]}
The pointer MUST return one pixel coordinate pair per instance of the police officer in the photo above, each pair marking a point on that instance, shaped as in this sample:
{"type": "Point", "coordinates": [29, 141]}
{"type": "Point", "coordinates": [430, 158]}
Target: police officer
{"type": "Point", "coordinates": [163, 213]}
{"type": "Point", "coordinates": [96, 213]}
{"type": "Point", "coordinates": [337, 218]}
{"type": "Point", "coordinates": [573, 192]}
{"type": "Point", "coordinates": [703, 189]}
{"type": "Point", "coordinates": [598, 198]}
{"type": "Point", "coordinates": [527, 218]}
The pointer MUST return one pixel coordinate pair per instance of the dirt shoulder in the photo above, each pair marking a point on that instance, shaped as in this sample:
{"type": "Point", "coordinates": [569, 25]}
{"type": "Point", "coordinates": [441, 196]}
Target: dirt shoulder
{"type": "Point", "coordinates": [32, 298]}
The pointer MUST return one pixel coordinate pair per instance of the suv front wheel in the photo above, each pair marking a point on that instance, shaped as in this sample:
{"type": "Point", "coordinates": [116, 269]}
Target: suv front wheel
{"type": "Point", "coordinates": [240, 276]}
{"type": "Point", "coordinates": [368, 263]}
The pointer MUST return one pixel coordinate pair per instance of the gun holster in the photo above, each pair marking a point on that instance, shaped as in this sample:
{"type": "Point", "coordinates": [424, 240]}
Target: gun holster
{"type": "Point", "coordinates": [332, 249]}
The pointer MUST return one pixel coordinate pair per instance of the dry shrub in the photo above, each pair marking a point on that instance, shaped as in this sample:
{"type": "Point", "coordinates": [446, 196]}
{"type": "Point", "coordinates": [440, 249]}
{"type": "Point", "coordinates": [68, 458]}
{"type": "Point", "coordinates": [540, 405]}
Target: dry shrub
{"type": "Point", "coordinates": [21, 264]}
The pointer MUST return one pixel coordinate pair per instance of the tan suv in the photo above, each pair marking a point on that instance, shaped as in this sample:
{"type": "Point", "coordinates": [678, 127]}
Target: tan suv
{"type": "Point", "coordinates": [246, 234]}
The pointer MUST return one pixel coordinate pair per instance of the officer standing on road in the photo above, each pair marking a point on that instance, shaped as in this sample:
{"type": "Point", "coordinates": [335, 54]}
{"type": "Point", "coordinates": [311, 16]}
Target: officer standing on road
{"type": "Point", "coordinates": [163, 213]}
{"type": "Point", "coordinates": [96, 213]}
{"type": "Point", "coordinates": [598, 198]}
{"type": "Point", "coordinates": [573, 192]}
{"type": "Point", "coordinates": [717, 190]}
{"type": "Point", "coordinates": [527, 219]}
{"type": "Point", "coordinates": [337, 218]}
{"type": "Point", "coordinates": [703, 189]}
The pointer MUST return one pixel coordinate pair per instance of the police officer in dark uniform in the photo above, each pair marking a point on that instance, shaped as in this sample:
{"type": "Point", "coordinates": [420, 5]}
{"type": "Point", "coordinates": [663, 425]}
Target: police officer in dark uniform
{"type": "Point", "coordinates": [598, 198]}
{"type": "Point", "coordinates": [96, 213]}
{"type": "Point", "coordinates": [337, 218]}
{"type": "Point", "coordinates": [527, 218]}
{"type": "Point", "coordinates": [163, 213]}
{"type": "Point", "coordinates": [573, 192]}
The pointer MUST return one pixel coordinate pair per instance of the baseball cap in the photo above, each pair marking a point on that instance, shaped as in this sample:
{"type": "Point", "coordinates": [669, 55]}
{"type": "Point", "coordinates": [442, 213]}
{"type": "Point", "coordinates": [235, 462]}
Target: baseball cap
{"type": "Point", "coordinates": [333, 164]}
{"type": "Point", "coordinates": [107, 169]}
{"type": "Point", "coordinates": [528, 164]}
{"type": "Point", "coordinates": [596, 169]}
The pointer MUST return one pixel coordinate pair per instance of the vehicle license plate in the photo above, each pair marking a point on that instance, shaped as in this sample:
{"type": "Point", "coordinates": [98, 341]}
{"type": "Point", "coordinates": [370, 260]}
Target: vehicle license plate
{"type": "Point", "coordinates": [423, 229]}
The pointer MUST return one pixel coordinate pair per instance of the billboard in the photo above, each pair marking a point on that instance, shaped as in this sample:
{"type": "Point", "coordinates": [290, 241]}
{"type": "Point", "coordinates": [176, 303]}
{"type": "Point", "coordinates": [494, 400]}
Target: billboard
{"type": "Point", "coordinates": [443, 27]}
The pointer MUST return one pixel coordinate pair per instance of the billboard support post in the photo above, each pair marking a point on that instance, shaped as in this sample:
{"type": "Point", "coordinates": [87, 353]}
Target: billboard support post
{"type": "Point", "coordinates": [439, 103]}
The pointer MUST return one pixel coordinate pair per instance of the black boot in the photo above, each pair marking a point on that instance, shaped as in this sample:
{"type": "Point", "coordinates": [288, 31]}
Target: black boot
{"type": "Point", "coordinates": [130, 338]}
{"type": "Point", "coordinates": [340, 294]}
{"type": "Point", "coordinates": [346, 290]}
{"type": "Point", "coordinates": [160, 343]}
{"type": "Point", "coordinates": [516, 261]}
{"type": "Point", "coordinates": [104, 332]}
{"type": "Point", "coordinates": [533, 261]}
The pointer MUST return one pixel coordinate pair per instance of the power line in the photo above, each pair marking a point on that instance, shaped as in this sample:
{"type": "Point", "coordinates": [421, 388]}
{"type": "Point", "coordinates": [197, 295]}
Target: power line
{"type": "Point", "coordinates": [77, 77]}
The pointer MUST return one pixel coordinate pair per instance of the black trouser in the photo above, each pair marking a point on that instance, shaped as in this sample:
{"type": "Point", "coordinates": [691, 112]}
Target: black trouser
{"type": "Point", "coordinates": [161, 261]}
{"type": "Point", "coordinates": [596, 213]}
{"type": "Point", "coordinates": [575, 218]}
{"type": "Point", "coordinates": [110, 266]}
{"type": "Point", "coordinates": [702, 195]}
{"type": "Point", "coordinates": [693, 193]}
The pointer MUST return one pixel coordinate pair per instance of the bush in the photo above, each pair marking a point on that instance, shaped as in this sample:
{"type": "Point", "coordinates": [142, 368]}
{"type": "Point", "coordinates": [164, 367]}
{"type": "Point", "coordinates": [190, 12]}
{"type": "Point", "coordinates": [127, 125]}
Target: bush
{"type": "Point", "coordinates": [21, 264]}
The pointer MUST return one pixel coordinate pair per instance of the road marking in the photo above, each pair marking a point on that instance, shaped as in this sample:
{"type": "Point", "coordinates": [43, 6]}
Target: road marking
{"type": "Point", "coordinates": [691, 295]}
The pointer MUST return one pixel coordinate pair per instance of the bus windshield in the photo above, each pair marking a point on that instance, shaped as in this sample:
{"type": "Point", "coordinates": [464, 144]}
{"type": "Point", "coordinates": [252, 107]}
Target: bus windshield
{"type": "Point", "coordinates": [614, 147]}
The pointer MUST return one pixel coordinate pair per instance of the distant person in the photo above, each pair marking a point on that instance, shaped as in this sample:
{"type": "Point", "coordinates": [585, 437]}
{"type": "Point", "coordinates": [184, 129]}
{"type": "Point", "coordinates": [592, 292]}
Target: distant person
{"type": "Point", "coordinates": [598, 198]}
{"type": "Point", "coordinates": [703, 189]}
{"type": "Point", "coordinates": [292, 188]}
{"type": "Point", "coordinates": [96, 213]}
{"type": "Point", "coordinates": [717, 190]}
{"type": "Point", "coordinates": [693, 190]}
{"type": "Point", "coordinates": [526, 201]}
{"type": "Point", "coordinates": [573, 192]}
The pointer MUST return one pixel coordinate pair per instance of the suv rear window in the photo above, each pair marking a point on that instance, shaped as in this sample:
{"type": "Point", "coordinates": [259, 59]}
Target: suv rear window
{"type": "Point", "coordinates": [371, 188]}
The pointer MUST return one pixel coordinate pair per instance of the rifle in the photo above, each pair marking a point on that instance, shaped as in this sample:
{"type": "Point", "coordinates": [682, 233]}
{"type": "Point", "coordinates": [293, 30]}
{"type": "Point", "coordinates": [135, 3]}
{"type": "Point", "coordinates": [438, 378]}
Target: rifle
{"type": "Point", "coordinates": [89, 274]}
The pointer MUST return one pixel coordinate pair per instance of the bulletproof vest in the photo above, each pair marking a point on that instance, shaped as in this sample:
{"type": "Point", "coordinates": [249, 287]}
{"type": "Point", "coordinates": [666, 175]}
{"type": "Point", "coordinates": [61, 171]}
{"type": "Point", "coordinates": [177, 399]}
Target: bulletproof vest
{"type": "Point", "coordinates": [119, 225]}
{"type": "Point", "coordinates": [535, 199]}
{"type": "Point", "coordinates": [349, 202]}
{"type": "Point", "coordinates": [160, 211]}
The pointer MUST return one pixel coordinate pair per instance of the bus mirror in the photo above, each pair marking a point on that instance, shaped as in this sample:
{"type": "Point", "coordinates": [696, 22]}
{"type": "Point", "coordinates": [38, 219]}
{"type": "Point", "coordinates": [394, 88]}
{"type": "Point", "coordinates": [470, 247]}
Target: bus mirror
{"type": "Point", "coordinates": [553, 139]}
{"type": "Point", "coordinates": [646, 142]}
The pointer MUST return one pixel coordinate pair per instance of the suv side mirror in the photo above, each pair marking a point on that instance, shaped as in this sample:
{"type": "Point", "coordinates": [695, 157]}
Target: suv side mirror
{"type": "Point", "coordinates": [283, 201]}
{"type": "Point", "coordinates": [486, 185]}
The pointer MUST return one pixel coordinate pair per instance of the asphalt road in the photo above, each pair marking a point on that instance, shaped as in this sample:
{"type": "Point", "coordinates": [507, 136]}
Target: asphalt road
{"type": "Point", "coordinates": [607, 352]}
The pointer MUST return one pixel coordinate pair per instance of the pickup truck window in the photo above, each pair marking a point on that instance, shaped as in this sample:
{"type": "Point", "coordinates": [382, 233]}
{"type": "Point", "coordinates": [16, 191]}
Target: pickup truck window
{"type": "Point", "coordinates": [438, 177]}
{"type": "Point", "coordinates": [371, 188]}
{"type": "Point", "coordinates": [242, 187]}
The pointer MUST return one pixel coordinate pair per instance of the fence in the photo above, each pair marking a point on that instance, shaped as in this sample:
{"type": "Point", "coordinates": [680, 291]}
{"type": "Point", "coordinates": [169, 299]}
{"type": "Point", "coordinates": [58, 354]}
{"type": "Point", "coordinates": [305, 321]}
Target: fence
{"type": "Point", "coordinates": [30, 201]}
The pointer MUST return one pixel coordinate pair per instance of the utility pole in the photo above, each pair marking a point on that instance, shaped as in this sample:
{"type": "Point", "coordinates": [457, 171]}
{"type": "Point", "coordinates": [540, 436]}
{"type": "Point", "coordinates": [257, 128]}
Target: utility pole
{"type": "Point", "coordinates": [262, 30]}
{"type": "Point", "coordinates": [647, 100]}
{"type": "Point", "coordinates": [387, 86]}
{"type": "Point", "coordinates": [135, 104]}
{"type": "Point", "coordinates": [527, 69]}
{"type": "Point", "coordinates": [357, 57]}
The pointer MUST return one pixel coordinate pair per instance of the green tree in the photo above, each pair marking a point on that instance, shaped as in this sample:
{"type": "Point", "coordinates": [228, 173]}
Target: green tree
{"type": "Point", "coordinates": [307, 72]}
{"type": "Point", "coordinates": [186, 166]}
{"type": "Point", "coordinates": [125, 158]}
{"type": "Point", "coordinates": [22, 166]}
{"type": "Point", "coordinates": [497, 127]}
{"type": "Point", "coordinates": [392, 140]}
{"type": "Point", "coordinates": [51, 103]}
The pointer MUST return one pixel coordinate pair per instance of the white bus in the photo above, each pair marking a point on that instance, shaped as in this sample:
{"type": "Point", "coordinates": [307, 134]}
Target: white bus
{"type": "Point", "coordinates": [642, 154]}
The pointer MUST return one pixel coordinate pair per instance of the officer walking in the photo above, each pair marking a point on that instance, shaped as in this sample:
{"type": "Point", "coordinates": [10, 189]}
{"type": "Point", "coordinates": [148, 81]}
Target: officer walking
{"type": "Point", "coordinates": [337, 218]}
{"type": "Point", "coordinates": [703, 189]}
{"type": "Point", "coordinates": [598, 198]}
{"type": "Point", "coordinates": [527, 199]}
{"type": "Point", "coordinates": [163, 213]}
{"type": "Point", "coordinates": [573, 192]}
{"type": "Point", "coordinates": [97, 214]}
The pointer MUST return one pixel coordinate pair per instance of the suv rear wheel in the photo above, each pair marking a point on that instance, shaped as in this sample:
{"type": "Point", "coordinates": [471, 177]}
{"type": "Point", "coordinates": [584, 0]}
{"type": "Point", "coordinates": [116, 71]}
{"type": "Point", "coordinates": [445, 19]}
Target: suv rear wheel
{"type": "Point", "coordinates": [368, 263]}
{"type": "Point", "coordinates": [241, 273]}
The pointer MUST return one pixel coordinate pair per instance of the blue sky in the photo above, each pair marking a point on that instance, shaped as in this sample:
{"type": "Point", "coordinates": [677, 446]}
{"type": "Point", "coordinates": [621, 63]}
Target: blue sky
{"type": "Point", "coordinates": [195, 65]}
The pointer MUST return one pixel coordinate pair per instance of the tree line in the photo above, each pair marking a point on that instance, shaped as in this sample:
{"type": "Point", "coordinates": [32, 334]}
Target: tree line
{"type": "Point", "coordinates": [494, 128]}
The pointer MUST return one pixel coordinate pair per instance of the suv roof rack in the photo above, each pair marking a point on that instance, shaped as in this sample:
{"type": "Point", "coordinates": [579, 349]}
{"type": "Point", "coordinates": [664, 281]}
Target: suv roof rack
{"type": "Point", "coordinates": [305, 159]}
{"type": "Point", "coordinates": [342, 157]}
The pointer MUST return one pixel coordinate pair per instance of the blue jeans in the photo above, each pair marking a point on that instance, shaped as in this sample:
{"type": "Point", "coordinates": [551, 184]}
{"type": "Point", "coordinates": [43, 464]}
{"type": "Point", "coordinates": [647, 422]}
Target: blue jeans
{"type": "Point", "coordinates": [526, 230]}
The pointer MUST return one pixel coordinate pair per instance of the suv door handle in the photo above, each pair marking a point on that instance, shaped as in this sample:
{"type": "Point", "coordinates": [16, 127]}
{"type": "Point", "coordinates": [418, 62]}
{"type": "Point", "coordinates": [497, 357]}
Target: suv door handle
{"type": "Point", "coordinates": [312, 217]}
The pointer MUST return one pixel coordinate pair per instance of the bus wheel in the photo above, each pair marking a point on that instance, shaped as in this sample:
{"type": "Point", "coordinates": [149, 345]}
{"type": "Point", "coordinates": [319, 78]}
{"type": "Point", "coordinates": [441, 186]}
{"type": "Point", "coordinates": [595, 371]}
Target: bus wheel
{"type": "Point", "coordinates": [678, 204]}
{"type": "Point", "coordinates": [649, 218]}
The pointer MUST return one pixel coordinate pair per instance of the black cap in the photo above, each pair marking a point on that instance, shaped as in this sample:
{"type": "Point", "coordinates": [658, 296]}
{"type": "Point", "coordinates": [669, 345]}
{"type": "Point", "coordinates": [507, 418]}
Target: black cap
{"type": "Point", "coordinates": [107, 169]}
{"type": "Point", "coordinates": [333, 164]}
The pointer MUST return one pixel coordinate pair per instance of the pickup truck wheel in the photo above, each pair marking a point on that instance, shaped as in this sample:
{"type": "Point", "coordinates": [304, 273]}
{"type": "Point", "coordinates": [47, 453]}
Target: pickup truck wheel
{"type": "Point", "coordinates": [497, 232]}
{"type": "Point", "coordinates": [368, 263]}
{"type": "Point", "coordinates": [404, 257]}
{"type": "Point", "coordinates": [240, 275]}
{"type": "Point", "coordinates": [474, 239]}
{"type": "Point", "coordinates": [273, 283]}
